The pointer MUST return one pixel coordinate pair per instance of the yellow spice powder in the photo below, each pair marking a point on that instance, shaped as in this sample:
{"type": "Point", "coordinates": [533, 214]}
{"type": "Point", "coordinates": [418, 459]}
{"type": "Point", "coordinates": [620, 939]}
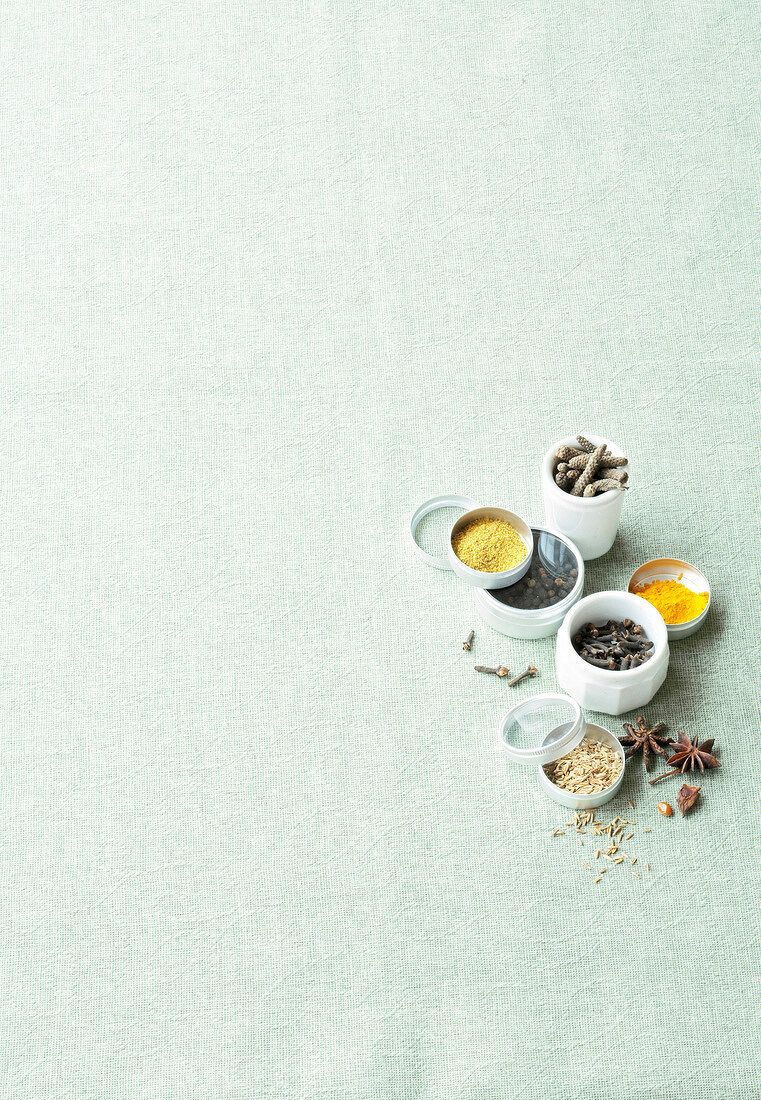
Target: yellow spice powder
{"type": "Point", "coordinates": [676, 602]}
{"type": "Point", "coordinates": [489, 545]}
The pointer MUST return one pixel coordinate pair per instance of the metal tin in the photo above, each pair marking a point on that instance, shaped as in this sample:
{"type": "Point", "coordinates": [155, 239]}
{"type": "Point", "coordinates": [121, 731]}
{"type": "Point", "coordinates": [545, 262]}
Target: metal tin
{"type": "Point", "coordinates": [557, 554]}
{"type": "Point", "coordinates": [672, 569]}
{"type": "Point", "coordinates": [471, 512]}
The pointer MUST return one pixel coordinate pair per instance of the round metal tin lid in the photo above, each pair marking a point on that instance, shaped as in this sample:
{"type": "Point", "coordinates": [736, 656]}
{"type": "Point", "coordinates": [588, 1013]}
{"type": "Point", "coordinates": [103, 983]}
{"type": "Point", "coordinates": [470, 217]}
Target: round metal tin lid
{"type": "Point", "coordinates": [434, 505]}
{"type": "Point", "coordinates": [541, 728]}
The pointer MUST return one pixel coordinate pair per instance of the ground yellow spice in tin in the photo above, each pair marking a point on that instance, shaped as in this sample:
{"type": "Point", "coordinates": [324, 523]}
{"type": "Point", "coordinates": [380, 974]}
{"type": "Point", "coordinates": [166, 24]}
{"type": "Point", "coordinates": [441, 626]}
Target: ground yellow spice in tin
{"type": "Point", "coordinates": [676, 602]}
{"type": "Point", "coordinates": [489, 545]}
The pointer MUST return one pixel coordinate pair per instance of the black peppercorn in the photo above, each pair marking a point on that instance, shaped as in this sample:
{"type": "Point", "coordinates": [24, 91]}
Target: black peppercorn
{"type": "Point", "coordinates": [551, 576]}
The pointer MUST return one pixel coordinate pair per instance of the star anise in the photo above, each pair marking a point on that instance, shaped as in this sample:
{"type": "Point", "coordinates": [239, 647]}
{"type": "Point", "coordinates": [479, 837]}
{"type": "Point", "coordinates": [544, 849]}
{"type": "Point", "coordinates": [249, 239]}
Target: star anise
{"type": "Point", "coordinates": [690, 755]}
{"type": "Point", "coordinates": [687, 798]}
{"type": "Point", "coordinates": [640, 737]}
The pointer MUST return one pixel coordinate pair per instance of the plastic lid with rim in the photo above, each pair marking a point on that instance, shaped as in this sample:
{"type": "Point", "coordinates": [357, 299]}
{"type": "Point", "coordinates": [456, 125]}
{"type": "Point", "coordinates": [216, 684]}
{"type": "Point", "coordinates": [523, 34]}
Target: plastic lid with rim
{"type": "Point", "coordinates": [434, 505]}
{"type": "Point", "coordinates": [542, 728]}
{"type": "Point", "coordinates": [556, 556]}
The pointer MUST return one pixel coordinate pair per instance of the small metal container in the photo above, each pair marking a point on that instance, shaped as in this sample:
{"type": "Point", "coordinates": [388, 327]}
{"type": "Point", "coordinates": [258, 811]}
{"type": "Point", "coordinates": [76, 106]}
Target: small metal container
{"type": "Point", "coordinates": [557, 555]}
{"type": "Point", "coordinates": [672, 569]}
{"type": "Point", "coordinates": [472, 511]}
{"type": "Point", "coordinates": [475, 577]}
{"type": "Point", "coordinates": [588, 801]}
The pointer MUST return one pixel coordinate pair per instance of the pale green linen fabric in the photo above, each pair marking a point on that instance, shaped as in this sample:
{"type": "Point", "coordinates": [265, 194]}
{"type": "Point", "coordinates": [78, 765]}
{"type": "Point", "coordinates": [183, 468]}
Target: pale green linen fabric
{"type": "Point", "coordinates": [272, 275]}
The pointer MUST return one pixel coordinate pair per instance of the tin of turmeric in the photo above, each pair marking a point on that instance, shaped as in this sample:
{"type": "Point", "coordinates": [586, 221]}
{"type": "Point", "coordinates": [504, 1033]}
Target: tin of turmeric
{"type": "Point", "coordinates": [490, 546]}
{"type": "Point", "coordinates": [676, 602]}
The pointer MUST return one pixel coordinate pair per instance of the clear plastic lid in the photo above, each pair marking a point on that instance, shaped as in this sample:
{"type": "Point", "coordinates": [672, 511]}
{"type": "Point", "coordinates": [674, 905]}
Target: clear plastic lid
{"type": "Point", "coordinates": [541, 728]}
{"type": "Point", "coordinates": [551, 578]}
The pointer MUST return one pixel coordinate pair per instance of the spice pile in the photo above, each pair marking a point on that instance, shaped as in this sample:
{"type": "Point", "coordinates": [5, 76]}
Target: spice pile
{"type": "Point", "coordinates": [676, 602]}
{"type": "Point", "coordinates": [542, 586]}
{"type": "Point", "coordinates": [588, 769]}
{"type": "Point", "coordinates": [489, 545]}
{"type": "Point", "coordinates": [615, 832]}
{"type": "Point", "coordinates": [586, 470]}
{"type": "Point", "coordinates": [686, 754]}
{"type": "Point", "coordinates": [617, 646]}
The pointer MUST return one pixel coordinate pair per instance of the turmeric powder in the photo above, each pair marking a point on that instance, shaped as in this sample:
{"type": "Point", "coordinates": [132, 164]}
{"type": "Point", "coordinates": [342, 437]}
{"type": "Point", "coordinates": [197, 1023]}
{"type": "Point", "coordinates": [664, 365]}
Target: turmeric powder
{"type": "Point", "coordinates": [676, 602]}
{"type": "Point", "coordinates": [490, 546]}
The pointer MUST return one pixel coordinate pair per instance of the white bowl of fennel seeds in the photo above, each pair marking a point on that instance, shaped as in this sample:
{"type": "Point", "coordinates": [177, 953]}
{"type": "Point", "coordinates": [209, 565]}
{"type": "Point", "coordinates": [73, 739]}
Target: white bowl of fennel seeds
{"type": "Point", "coordinates": [588, 776]}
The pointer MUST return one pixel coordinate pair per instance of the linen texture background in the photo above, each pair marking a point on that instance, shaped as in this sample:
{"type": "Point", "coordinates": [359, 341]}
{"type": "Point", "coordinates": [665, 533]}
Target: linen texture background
{"type": "Point", "coordinates": [273, 274]}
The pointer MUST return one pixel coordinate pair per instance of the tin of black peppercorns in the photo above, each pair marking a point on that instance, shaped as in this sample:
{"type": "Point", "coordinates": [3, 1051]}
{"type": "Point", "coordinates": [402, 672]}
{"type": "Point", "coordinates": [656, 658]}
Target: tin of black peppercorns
{"type": "Point", "coordinates": [554, 579]}
{"type": "Point", "coordinates": [550, 578]}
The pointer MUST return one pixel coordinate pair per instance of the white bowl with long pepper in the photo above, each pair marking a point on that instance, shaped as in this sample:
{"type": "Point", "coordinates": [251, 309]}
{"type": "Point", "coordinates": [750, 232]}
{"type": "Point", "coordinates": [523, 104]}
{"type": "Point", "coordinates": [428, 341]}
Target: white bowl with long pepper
{"type": "Point", "coordinates": [591, 522]}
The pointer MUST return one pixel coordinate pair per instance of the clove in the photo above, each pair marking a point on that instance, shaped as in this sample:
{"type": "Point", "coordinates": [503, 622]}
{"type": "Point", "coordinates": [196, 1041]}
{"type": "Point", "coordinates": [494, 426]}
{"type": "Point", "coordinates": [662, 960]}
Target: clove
{"type": "Point", "coordinates": [530, 671]}
{"type": "Point", "coordinates": [469, 640]}
{"type": "Point", "coordinates": [617, 646]}
{"type": "Point", "coordinates": [501, 671]}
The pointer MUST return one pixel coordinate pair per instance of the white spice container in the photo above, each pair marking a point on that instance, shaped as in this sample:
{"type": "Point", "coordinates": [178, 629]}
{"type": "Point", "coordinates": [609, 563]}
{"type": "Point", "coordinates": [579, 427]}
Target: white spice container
{"type": "Point", "coordinates": [600, 688]}
{"type": "Point", "coordinates": [588, 801]}
{"type": "Point", "coordinates": [591, 522]}
{"type": "Point", "coordinates": [545, 727]}
{"type": "Point", "coordinates": [674, 569]}
{"type": "Point", "coordinates": [558, 557]}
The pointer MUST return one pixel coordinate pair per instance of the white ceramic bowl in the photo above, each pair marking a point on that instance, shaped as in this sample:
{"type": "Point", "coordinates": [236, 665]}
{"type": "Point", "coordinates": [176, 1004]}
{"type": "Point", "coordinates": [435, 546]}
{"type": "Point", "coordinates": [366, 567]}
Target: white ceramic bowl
{"type": "Point", "coordinates": [491, 580]}
{"type": "Point", "coordinates": [591, 522]}
{"type": "Point", "coordinates": [598, 688]}
{"type": "Point", "coordinates": [672, 569]}
{"type": "Point", "coordinates": [542, 622]}
{"type": "Point", "coordinates": [588, 801]}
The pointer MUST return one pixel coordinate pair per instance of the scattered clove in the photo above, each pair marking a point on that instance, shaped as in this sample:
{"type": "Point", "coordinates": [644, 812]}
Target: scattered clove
{"type": "Point", "coordinates": [501, 671]}
{"type": "Point", "coordinates": [469, 640]}
{"type": "Point", "coordinates": [530, 671]}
